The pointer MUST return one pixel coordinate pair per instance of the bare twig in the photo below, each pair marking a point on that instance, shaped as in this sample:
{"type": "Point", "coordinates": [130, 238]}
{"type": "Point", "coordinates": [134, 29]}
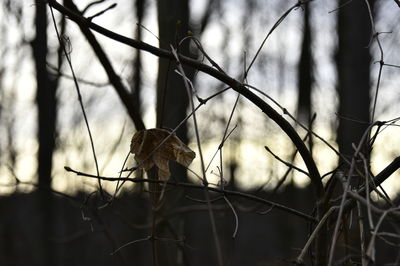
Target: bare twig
{"type": "Point", "coordinates": [83, 81]}
{"type": "Point", "coordinates": [375, 35]}
{"type": "Point", "coordinates": [347, 188]}
{"type": "Point", "coordinates": [79, 100]}
{"type": "Point", "coordinates": [219, 147]}
{"type": "Point", "coordinates": [130, 243]}
{"type": "Point", "coordinates": [235, 214]}
{"type": "Point", "coordinates": [368, 204]}
{"type": "Point", "coordinates": [290, 165]}
{"type": "Point", "coordinates": [370, 254]}
{"type": "Point", "coordinates": [391, 65]}
{"type": "Point", "coordinates": [341, 6]}
{"type": "Point", "coordinates": [123, 93]}
{"type": "Point", "coordinates": [200, 47]}
{"type": "Point", "coordinates": [103, 11]}
{"type": "Point", "coordinates": [203, 170]}
{"type": "Point", "coordinates": [92, 4]}
{"type": "Point", "coordinates": [277, 23]}
{"type": "Point", "coordinates": [379, 179]}
{"type": "Point", "coordinates": [196, 186]}
{"type": "Point", "coordinates": [285, 175]}
{"type": "Point", "coordinates": [300, 258]}
{"type": "Point", "coordinates": [362, 231]}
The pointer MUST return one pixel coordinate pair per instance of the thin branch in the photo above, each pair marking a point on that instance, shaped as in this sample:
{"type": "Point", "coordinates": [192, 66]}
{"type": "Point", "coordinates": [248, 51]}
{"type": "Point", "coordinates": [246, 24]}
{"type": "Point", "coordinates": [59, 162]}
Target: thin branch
{"type": "Point", "coordinates": [219, 147]}
{"type": "Point", "coordinates": [200, 47]}
{"type": "Point", "coordinates": [203, 170]}
{"type": "Point", "coordinates": [370, 254]}
{"type": "Point", "coordinates": [81, 80]}
{"type": "Point", "coordinates": [123, 93]}
{"type": "Point", "coordinates": [92, 4]}
{"type": "Point", "coordinates": [130, 243]}
{"type": "Point", "coordinates": [300, 258]}
{"type": "Point", "coordinates": [277, 23]}
{"type": "Point", "coordinates": [375, 35]}
{"type": "Point", "coordinates": [362, 232]}
{"type": "Point", "coordinates": [347, 189]}
{"type": "Point", "coordinates": [372, 207]}
{"type": "Point", "coordinates": [292, 158]}
{"type": "Point", "coordinates": [235, 214]}
{"type": "Point", "coordinates": [290, 165]}
{"type": "Point", "coordinates": [149, 31]}
{"type": "Point", "coordinates": [78, 92]}
{"type": "Point", "coordinates": [103, 11]}
{"type": "Point", "coordinates": [341, 6]}
{"type": "Point", "coordinates": [378, 179]}
{"type": "Point", "coordinates": [391, 65]}
{"type": "Point", "coordinates": [197, 186]}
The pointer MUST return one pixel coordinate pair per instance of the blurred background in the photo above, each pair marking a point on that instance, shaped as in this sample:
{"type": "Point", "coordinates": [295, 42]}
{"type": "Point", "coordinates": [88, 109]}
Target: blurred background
{"type": "Point", "coordinates": [334, 65]}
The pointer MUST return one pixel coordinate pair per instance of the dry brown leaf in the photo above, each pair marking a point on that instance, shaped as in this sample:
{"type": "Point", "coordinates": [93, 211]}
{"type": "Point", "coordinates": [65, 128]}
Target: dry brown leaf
{"type": "Point", "coordinates": [144, 145]}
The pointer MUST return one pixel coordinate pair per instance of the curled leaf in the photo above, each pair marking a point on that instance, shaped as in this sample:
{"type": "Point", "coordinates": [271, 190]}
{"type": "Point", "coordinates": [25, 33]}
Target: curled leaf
{"type": "Point", "coordinates": [145, 145]}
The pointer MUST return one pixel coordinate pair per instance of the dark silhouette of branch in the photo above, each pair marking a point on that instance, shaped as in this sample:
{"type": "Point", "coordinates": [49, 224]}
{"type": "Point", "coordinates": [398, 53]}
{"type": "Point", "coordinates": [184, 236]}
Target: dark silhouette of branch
{"type": "Point", "coordinates": [59, 73]}
{"type": "Point", "coordinates": [290, 165]}
{"type": "Point", "coordinates": [103, 11]}
{"type": "Point", "coordinates": [377, 180]}
{"type": "Point", "coordinates": [115, 80]}
{"type": "Point", "coordinates": [277, 23]}
{"type": "Point", "coordinates": [197, 186]}
{"type": "Point", "coordinates": [78, 92]}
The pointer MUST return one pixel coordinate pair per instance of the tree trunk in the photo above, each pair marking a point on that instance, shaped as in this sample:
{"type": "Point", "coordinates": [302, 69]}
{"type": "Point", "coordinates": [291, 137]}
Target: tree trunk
{"type": "Point", "coordinates": [46, 104]}
{"type": "Point", "coordinates": [353, 68]}
{"type": "Point", "coordinates": [305, 72]}
{"type": "Point", "coordinates": [139, 6]}
{"type": "Point", "coordinates": [172, 104]}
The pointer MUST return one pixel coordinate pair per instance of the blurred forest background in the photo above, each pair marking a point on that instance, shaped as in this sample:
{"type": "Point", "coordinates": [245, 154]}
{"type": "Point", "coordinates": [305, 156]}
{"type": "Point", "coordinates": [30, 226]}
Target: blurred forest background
{"type": "Point", "coordinates": [334, 65]}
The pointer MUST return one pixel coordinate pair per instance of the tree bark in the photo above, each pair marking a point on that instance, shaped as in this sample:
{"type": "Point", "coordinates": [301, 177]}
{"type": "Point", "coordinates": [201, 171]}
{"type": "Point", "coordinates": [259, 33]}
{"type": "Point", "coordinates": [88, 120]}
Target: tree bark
{"type": "Point", "coordinates": [136, 82]}
{"type": "Point", "coordinates": [305, 72]}
{"type": "Point", "coordinates": [353, 68]}
{"type": "Point", "coordinates": [46, 103]}
{"type": "Point", "coordinates": [172, 104]}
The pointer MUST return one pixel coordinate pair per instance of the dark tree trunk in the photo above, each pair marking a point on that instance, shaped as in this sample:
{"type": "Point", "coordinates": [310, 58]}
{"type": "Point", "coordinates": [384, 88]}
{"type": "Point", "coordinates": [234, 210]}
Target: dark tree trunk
{"type": "Point", "coordinates": [353, 68]}
{"type": "Point", "coordinates": [139, 7]}
{"type": "Point", "coordinates": [172, 99]}
{"type": "Point", "coordinates": [45, 98]}
{"type": "Point", "coordinates": [46, 104]}
{"type": "Point", "coordinates": [172, 105]}
{"type": "Point", "coordinates": [305, 74]}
